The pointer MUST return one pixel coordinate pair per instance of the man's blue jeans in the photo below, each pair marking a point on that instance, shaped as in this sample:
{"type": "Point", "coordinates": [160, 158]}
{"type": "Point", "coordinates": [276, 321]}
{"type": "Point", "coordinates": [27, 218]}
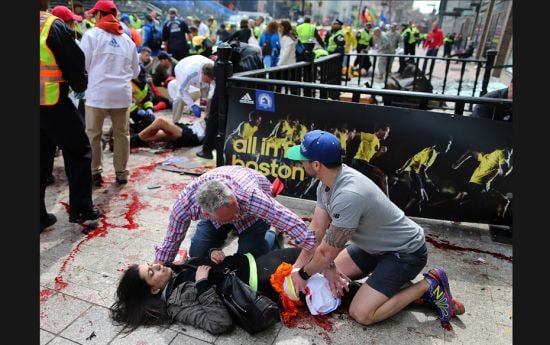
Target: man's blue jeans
{"type": "Point", "coordinates": [255, 240]}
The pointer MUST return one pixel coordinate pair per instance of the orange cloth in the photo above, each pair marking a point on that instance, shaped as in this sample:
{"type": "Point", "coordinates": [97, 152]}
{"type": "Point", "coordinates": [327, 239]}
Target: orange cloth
{"type": "Point", "coordinates": [110, 24]}
{"type": "Point", "coordinates": [290, 307]}
{"type": "Point", "coordinates": [136, 36]}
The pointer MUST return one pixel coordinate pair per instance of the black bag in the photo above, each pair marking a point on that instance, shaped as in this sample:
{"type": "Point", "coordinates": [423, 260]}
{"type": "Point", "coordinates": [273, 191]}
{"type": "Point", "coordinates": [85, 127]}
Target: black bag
{"type": "Point", "coordinates": [155, 38]}
{"type": "Point", "coordinates": [252, 311]}
{"type": "Point", "coordinates": [266, 49]}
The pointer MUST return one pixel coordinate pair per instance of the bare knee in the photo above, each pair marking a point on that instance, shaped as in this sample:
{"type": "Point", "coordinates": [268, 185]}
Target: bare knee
{"type": "Point", "coordinates": [364, 317]}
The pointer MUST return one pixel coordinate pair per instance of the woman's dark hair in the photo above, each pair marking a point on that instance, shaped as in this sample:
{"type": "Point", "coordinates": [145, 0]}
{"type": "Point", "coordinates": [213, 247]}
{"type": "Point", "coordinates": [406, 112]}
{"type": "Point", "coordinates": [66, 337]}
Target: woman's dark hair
{"type": "Point", "coordinates": [135, 305]}
{"type": "Point", "coordinates": [244, 24]}
{"type": "Point", "coordinates": [287, 29]}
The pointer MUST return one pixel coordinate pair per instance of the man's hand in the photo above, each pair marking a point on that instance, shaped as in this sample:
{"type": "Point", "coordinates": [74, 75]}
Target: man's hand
{"type": "Point", "coordinates": [337, 281]}
{"type": "Point", "coordinates": [298, 282]}
{"type": "Point", "coordinates": [383, 149]}
{"type": "Point", "coordinates": [217, 256]}
{"type": "Point", "coordinates": [202, 272]}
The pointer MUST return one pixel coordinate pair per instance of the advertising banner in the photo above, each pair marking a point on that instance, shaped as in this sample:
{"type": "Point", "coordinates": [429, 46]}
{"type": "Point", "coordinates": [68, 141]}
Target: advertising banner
{"type": "Point", "coordinates": [432, 165]}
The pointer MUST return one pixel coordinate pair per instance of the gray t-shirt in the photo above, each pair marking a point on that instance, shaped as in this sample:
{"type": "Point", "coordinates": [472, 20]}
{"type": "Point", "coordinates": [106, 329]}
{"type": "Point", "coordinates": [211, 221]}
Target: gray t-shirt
{"type": "Point", "coordinates": [355, 202]}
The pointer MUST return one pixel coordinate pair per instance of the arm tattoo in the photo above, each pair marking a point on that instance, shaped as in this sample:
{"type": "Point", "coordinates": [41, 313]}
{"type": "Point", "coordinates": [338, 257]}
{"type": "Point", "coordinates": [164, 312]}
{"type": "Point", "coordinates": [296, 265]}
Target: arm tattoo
{"type": "Point", "coordinates": [338, 237]}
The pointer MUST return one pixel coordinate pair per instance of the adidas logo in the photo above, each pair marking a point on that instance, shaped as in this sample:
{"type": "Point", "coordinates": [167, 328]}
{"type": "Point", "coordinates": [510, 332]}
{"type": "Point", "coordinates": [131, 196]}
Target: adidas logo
{"type": "Point", "coordinates": [246, 99]}
{"type": "Point", "coordinates": [114, 43]}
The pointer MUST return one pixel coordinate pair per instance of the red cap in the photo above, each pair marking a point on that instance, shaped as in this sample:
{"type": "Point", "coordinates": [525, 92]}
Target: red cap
{"type": "Point", "coordinates": [65, 14]}
{"type": "Point", "coordinates": [104, 6]}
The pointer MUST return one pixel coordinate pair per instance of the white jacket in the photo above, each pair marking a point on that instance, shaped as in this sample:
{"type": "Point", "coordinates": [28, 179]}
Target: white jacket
{"type": "Point", "coordinates": [288, 51]}
{"type": "Point", "coordinates": [111, 62]}
{"type": "Point", "coordinates": [189, 73]}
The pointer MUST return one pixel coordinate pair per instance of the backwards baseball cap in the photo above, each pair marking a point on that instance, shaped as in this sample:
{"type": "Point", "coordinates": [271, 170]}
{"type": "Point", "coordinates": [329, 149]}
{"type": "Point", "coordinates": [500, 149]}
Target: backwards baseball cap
{"type": "Point", "coordinates": [164, 55]}
{"type": "Point", "coordinates": [65, 14]}
{"type": "Point", "coordinates": [103, 6]}
{"type": "Point", "coordinates": [317, 145]}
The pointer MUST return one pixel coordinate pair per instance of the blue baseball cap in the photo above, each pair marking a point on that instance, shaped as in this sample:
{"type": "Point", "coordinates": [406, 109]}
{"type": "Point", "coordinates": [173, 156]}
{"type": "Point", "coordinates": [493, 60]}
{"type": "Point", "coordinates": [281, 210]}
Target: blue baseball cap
{"type": "Point", "coordinates": [317, 145]}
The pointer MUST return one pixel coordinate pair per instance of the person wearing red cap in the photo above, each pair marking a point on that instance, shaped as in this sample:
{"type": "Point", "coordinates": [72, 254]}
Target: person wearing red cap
{"type": "Point", "coordinates": [61, 67]}
{"type": "Point", "coordinates": [68, 17]}
{"type": "Point", "coordinates": [111, 62]}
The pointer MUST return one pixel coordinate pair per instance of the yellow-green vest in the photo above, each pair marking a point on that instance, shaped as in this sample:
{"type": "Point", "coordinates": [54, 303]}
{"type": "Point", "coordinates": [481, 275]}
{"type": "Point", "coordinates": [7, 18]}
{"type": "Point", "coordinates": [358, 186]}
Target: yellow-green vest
{"type": "Point", "coordinates": [138, 95]}
{"type": "Point", "coordinates": [364, 37]}
{"type": "Point", "coordinates": [50, 73]}
{"type": "Point", "coordinates": [412, 37]}
{"type": "Point", "coordinates": [306, 32]}
{"type": "Point", "coordinates": [331, 48]}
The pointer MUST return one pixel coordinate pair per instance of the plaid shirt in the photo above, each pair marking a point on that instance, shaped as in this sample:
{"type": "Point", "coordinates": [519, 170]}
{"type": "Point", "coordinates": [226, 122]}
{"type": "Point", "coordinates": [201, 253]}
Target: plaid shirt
{"type": "Point", "coordinates": [253, 193]}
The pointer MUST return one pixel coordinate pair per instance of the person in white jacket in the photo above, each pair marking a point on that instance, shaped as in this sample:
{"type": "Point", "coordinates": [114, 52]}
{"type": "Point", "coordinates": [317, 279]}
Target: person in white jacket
{"type": "Point", "coordinates": [287, 56]}
{"type": "Point", "coordinates": [111, 61]}
{"type": "Point", "coordinates": [193, 72]}
{"type": "Point", "coordinates": [288, 42]}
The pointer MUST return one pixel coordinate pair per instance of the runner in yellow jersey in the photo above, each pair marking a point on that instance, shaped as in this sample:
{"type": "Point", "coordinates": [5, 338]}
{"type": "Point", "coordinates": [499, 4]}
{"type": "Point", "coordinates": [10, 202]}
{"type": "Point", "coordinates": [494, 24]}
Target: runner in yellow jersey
{"type": "Point", "coordinates": [245, 130]}
{"type": "Point", "coordinates": [370, 147]}
{"type": "Point", "coordinates": [491, 165]}
{"type": "Point", "coordinates": [416, 168]}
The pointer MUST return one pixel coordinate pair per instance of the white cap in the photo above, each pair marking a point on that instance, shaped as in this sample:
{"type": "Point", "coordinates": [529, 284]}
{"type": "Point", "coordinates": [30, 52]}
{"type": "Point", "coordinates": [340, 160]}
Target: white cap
{"type": "Point", "coordinates": [320, 300]}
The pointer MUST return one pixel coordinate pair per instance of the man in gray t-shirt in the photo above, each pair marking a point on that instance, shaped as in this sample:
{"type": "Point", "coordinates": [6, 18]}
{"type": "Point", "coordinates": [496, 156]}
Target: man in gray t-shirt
{"type": "Point", "coordinates": [384, 242]}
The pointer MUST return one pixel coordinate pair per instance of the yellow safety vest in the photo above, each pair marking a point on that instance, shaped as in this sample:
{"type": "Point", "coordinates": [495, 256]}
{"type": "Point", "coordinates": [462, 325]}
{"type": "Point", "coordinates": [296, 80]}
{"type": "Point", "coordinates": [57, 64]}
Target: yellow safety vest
{"type": "Point", "coordinates": [138, 95]}
{"type": "Point", "coordinates": [50, 73]}
{"type": "Point", "coordinates": [306, 32]}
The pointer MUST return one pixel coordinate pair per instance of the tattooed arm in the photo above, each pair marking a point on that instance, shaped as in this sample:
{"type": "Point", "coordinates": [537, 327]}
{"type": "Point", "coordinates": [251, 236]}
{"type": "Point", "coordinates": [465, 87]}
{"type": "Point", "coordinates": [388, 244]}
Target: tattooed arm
{"type": "Point", "coordinates": [334, 241]}
{"type": "Point", "coordinates": [323, 261]}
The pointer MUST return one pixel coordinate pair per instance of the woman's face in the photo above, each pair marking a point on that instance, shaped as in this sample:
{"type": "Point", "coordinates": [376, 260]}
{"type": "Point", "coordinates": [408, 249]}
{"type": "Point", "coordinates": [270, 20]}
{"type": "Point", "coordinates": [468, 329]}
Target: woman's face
{"type": "Point", "coordinates": [155, 275]}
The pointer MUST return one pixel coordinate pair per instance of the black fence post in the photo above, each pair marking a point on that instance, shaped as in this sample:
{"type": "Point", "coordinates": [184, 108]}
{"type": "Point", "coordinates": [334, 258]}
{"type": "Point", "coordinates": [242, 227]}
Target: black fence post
{"type": "Point", "coordinates": [309, 70]}
{"type": "Point", "coordinates": [491, 54]}
{"type": "Point", "coordinates": [224, 70]}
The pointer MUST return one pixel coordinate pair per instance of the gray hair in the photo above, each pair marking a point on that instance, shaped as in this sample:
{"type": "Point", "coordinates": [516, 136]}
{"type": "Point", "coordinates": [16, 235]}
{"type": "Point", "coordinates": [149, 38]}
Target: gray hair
{"type": "Point", "coordinates": [213, 195]}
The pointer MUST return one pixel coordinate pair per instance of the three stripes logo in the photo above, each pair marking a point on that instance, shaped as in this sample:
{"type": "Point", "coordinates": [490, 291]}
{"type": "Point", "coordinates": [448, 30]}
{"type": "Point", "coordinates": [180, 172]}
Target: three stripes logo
{"type": "Point", "coordinates": [246, 99]}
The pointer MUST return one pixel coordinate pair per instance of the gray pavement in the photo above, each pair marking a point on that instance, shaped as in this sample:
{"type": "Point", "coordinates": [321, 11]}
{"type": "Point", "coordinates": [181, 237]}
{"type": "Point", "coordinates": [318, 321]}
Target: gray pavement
{"type": "Point", "coordinates": [79, 273]}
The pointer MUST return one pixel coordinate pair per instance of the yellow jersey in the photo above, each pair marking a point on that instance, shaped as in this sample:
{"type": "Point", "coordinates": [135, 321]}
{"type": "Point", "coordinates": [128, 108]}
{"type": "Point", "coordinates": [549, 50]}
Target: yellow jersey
{"type": "Point", "coordinates": [367, 147]}
{"type": "Point", "coordinates": [425, 158]}
{"type": "Point", "coordinates": [343, 139]}
{"type": "Point", "coordinates": [488, 167]}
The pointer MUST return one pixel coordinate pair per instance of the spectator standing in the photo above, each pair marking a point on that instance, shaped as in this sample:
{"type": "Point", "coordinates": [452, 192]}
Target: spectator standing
{"type": "Point", "coordinates": [111, 62]}
{"type": "Point", "coordinates": [174, 35]}
{"type": "Point", "coordinates": [269, 42]}
{"type": "Point", "coordinates": [434, 40]}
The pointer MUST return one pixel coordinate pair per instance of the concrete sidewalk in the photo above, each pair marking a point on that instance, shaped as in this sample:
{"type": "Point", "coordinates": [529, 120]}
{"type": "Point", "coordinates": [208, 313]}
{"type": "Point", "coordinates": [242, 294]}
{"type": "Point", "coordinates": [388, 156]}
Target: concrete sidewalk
{"type": "Point", "coordinates": [79, 273]}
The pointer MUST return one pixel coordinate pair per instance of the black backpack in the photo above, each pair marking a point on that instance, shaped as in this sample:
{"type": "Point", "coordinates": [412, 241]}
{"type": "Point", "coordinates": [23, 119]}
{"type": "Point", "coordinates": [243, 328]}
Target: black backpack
{"type": "Point", "coordinates": [267, 49]}
{"type": "Point", "coordinates": [252, 311]}
{"type": "Point", "coordinates": [155, 40]}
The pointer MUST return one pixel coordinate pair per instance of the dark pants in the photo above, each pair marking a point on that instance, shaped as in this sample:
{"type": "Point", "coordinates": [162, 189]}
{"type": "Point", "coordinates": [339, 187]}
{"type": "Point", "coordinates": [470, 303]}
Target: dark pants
{"type": "Point", "coordinates": [409, 49]}
{"type": "Point", "coordinates": [61, 125]}
{"type": "Point", "coordinates": [362, 61]}
{"type": "Point", "coordinates": [179, 54]}
{"type": "Point", "coordinates": [211, 131]}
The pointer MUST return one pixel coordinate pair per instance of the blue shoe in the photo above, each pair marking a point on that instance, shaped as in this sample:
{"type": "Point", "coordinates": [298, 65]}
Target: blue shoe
{"type": "Point", "coordinates": [439, 294]}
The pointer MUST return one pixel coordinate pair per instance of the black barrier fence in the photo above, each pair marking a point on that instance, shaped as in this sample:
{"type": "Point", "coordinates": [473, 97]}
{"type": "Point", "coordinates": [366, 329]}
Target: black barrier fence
{"type": "Point", "coordinates": [321, 78]}
{"type": "Point", "coordinates": [430, 164]}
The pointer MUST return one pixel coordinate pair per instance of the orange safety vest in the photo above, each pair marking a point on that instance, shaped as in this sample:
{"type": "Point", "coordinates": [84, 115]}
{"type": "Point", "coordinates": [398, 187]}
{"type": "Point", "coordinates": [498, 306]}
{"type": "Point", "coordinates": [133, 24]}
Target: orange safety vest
{"type": "Point", "coordinates": [50, 73]}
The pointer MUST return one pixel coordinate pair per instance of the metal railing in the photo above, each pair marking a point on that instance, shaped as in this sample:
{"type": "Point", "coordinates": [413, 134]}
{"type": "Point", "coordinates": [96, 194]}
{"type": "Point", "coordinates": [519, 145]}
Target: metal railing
{"type": "Point", "coordinates": [322, 79]}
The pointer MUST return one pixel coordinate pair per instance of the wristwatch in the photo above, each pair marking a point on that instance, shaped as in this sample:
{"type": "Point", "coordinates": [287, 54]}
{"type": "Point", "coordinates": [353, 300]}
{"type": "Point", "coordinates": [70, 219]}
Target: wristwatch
{"type": "Point", "coordinates": [303, 274]}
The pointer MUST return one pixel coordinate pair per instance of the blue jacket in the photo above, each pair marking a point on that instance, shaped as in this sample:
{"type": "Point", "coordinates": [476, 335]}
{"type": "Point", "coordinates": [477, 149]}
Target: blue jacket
{"type": "Point", "coordinates": [275, 45]}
